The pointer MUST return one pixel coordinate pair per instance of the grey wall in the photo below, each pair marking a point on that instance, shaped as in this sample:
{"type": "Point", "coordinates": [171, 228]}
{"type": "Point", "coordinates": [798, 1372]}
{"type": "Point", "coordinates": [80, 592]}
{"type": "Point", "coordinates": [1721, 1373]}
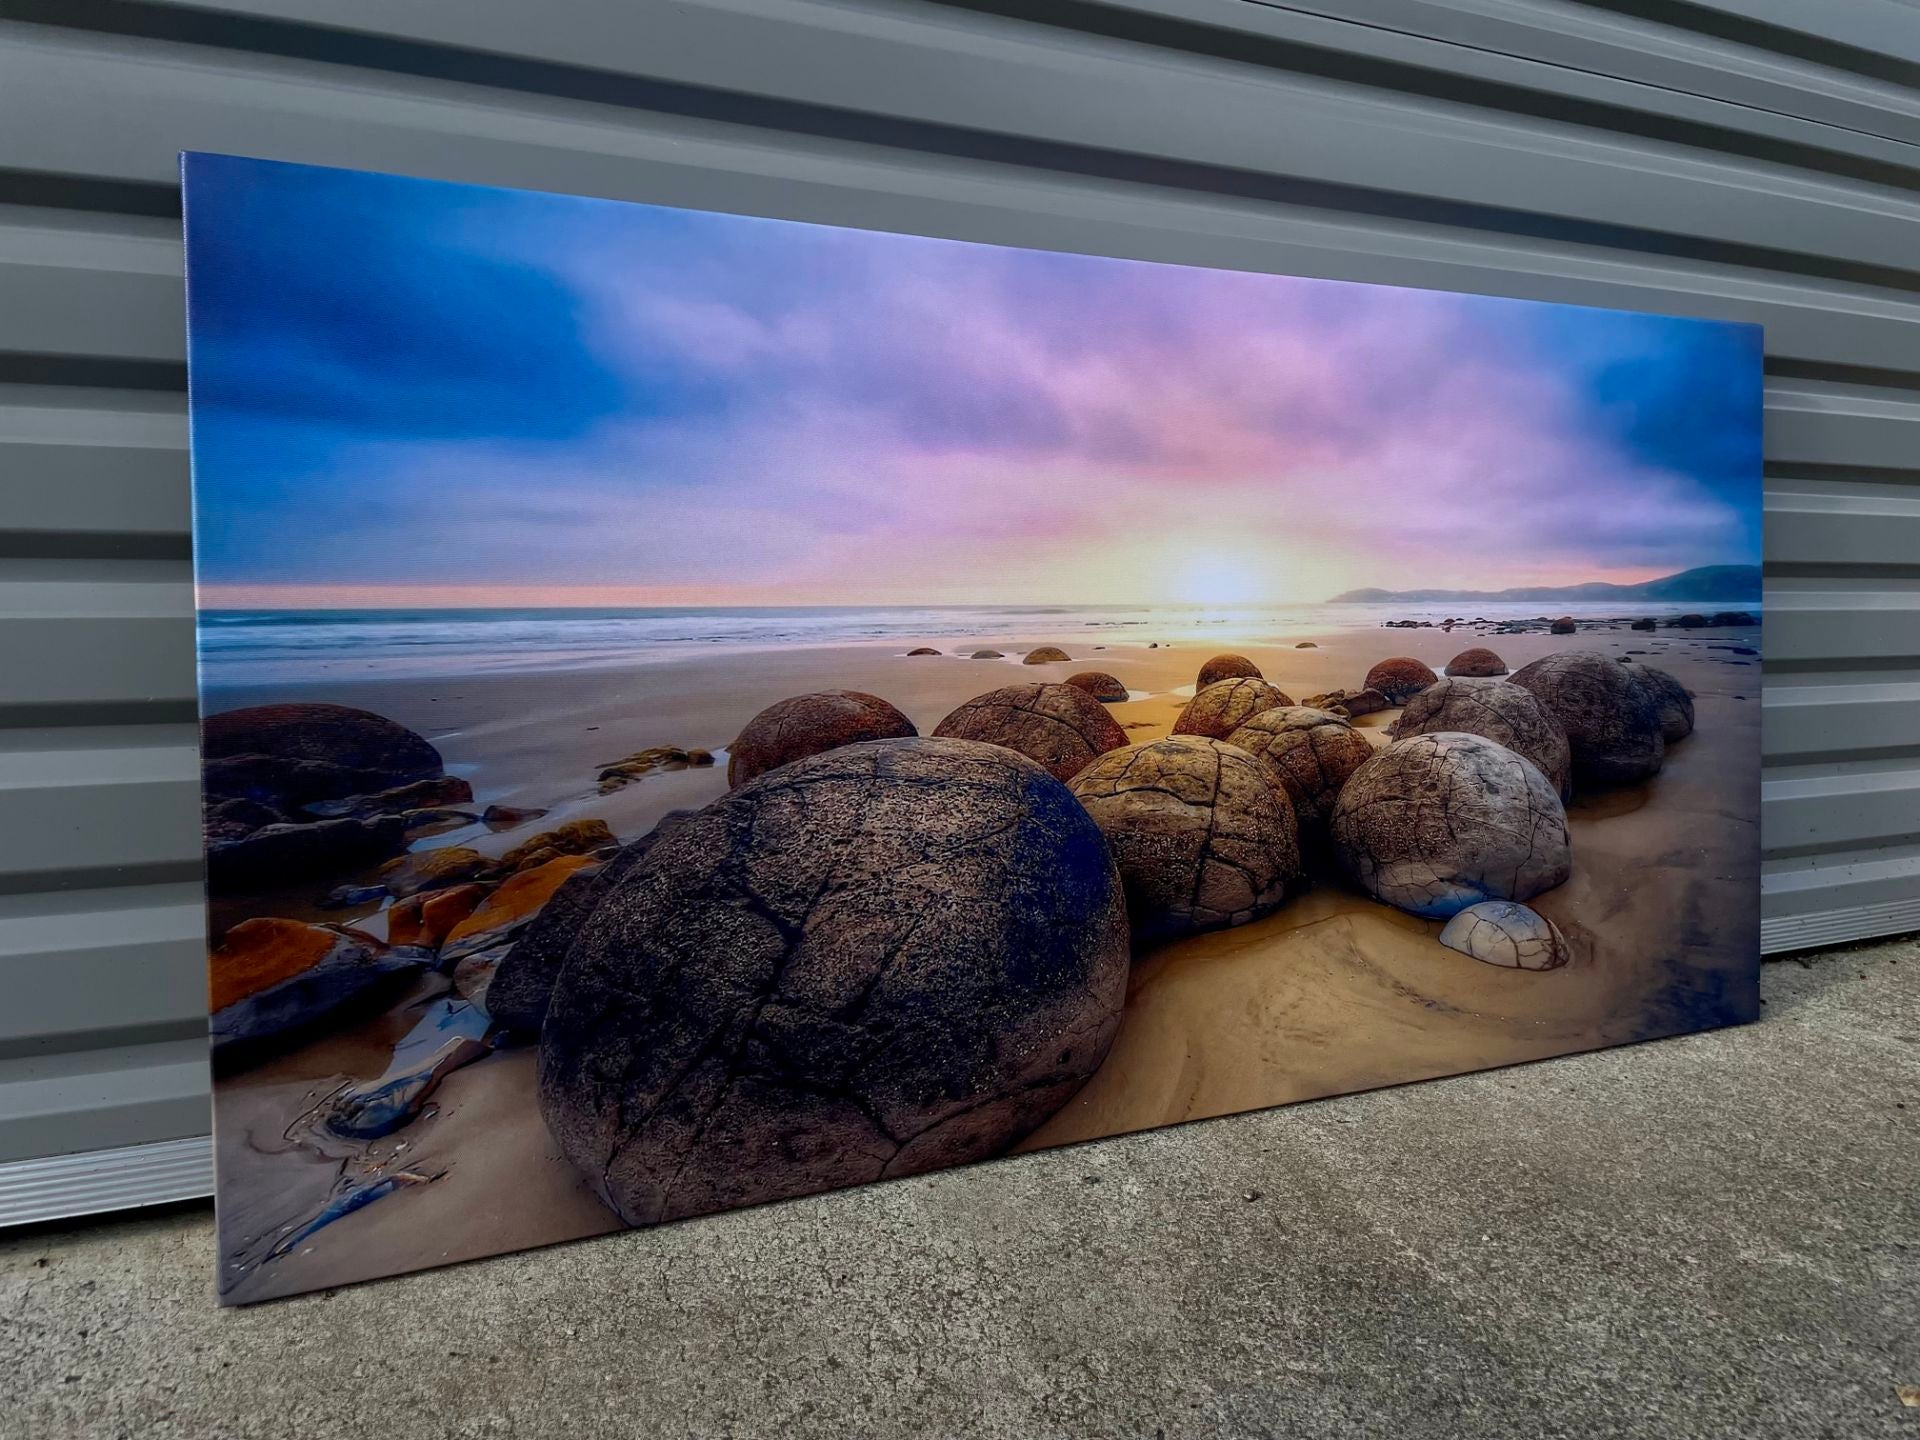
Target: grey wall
{"type": "Point", "coordinates": [1742, 159]}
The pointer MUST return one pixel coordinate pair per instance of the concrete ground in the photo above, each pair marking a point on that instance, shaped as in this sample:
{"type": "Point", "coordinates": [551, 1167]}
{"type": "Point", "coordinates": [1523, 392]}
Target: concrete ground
{"type": "Point", "coordinates": [1711, 1236]}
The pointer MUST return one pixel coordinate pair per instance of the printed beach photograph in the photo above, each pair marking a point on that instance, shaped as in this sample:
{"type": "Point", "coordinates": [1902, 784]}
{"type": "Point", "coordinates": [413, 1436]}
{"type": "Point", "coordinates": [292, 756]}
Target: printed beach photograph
{"type": "Point", "coordinates": [701, 710]}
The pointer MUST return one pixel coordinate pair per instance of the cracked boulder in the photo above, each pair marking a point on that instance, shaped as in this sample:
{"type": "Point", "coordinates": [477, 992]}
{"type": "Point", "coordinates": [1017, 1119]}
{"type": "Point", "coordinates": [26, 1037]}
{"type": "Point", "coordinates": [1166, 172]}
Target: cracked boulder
{"type": "Point", "coordinates": [1442, 821]}
{"type": "Point", "coordinates": [1505, 714]}
{"type": "Point", "coordinates": [1046, 655]}
{"type": "Point", "coordinates": [1224, 706]}
{"type": "Point", "coordinates": [1060, 726]}
{"type": "Point", "coordinates": [1505, 934]}
{"type": "Point", "coordinates": [1203, 832]}
{"type": "Point", "coordinates": [1476, 663]}
{"type": "Point", "coordinates": [1227, 667]}
{"type": "Point", "coordinates": [1612, 723]}
{"type": "Point", "coordinates": [1311, 753]}
{"type": "Point", "coordinates": [1672, 701]}
{"type": "Point", "coordinates": [804, 725]}
{"type": "Point", "coordinates": [1400, 678]}
{"type": "Point", "coordinates": [1100, 685]}
{"type": "Point", "coordinates": [885, 959]}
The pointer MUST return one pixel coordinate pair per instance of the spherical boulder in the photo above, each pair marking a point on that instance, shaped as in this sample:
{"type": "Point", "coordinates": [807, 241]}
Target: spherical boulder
{"type": "Point", "coordinates": [1502, 713]}
{"type": "Point", "coordinates": [290, 755]}
{"type": "Point", "coordinates": [1476, 663]}
{"type": "Point", "coordinates": [922, 650]}
{"type": "Point", "coordinates": [803, 725]}
{"type": "Point", "coordinates": [1563, 626]}
{"type": "Point", "coordinates": [1100, 685]}
{"type": "Point", "coordinates": [876, 961]}
{"type": "Point", "coordinates": [1227, 667]}
{"type": "Point", "coordinates": [1224, 706]}
{"type": "Point", "coordinates": [1612, 723]}
{"type": "Point", "coordinates": [1310, 752]}
{"type": "Point", "coordinates": [1046, 655]}
{"type": "Point", "coordinates": [1505, 934]}
{"type": "Point", "coordinates": [1671, 700]}
{"type": "Point", "coordinates": [987, 655]}
{"type": "Point", "coordinates": [1399, 678]}
{"type": "Point", "coordinates": [1203, 832]}
{"type": "Point", "coordinates": [1060, 726]}
{"type": "Point", "coordinates": [1442, 821]}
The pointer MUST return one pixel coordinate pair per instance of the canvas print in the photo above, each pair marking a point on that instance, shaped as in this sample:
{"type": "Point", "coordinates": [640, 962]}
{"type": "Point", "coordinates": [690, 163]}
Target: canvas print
{"type": "Point", "coordinates": [701, 710]}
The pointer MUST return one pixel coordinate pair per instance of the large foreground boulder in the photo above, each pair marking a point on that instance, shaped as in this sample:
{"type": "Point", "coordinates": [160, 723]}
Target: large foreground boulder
{"type": "Point", "coordinates": [880, 960]}
{"type": "Point", "coordinates": [803, 725]}
{"type": "Point", "coordinates": [1611, 720]}
{"type": "Point", "coordinates": [1227, 667]}
{"type": "Point", "coordinates": [1672, 701]}
{"type": "Point", "coordinates": [1442, 821]}
{"type": "Point", "coordinates": [1505, 714]}
{"type": "Point", "coordinates": [1224, 706]}
{"type": "Point", "coordinates": [1310, 752]}
{"type": "Point", "coordinates": [1400, 678]}
{"type": "Point", "coordinates": [1060, 726]}
{"type": "Point", "coordinates": [1203, 833]}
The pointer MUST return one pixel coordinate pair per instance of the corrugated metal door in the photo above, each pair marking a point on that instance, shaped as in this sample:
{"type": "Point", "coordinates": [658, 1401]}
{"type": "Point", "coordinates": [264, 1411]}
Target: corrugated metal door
{"type": "Point", "coordinates": [1741, 159]}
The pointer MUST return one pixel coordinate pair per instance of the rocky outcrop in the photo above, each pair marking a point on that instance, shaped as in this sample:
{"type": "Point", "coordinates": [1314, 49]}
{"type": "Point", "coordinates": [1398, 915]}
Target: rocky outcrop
{"type": "Point", "coordinates": [1061, 727]}
{"type": "Point", "coordinates": [439, 790]}
{"type": "Point", "coordinates": [880, 960]}
{"type": "Point", "coordinates": [804, 725]}
{"type": "Point", "coordinates": [434, 870]}
{"type": "Point", "coordinates": [1612, 724]}
{"type": "Point", "coordinates": [511, 904]}
{"type": "Point", "coordinates": [1508, 935]}
{"type": "Point", "coordinates": [425, 920]}
{"type": "Point", "coordinates": [1443, 821]}
{"type": "Point", "coordinates": [576, 837]}
{"type": "Point", "coordinates": [1224, 706]}
{"type": "Point", "coordinates": [1505, 714]}
{"type": "Point", "coordinates": [1348, 703]}
{"type": "Point", "coordinates": [272, 979]}
{"type": "Point", "coordinates": [279, 854]}
{"type": "Point", "coordinates": [1202, 831]}
{"type": "Point", "coordinates": [1400, 678]}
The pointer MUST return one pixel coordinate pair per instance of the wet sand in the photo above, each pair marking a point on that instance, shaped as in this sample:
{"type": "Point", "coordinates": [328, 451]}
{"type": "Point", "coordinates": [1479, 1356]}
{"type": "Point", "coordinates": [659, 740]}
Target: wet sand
{"type": "Point", "coordinates": [1331, 994]}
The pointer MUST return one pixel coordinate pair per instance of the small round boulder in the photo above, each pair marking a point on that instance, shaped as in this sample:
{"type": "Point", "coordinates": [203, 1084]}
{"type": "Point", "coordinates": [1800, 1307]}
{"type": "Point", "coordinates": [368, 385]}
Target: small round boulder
{"type": "Point", "coordinates": [1476, 663]}
{"type": "Point", "coordinates": [1503, 713]}
{"type": "Point", "coordinates": [922, 650]}
{"type": "Point", "coordinates": [1612, 723]}
{"type": "Point", "coordinates": [804, 725]}
{"type": "Point", "coordinates": [986, 655]}
{"type": "Point", "coordinates": [1310, 752]}
{"type": "Point", "coordinates": [1400, 678]}
{"type": "Point", "coordinates": [1443, 821]}
{"type": "Point", "coordinates": [881, 960]}
{"type": "Point", "coordinates": [1046, 655]}
{"type": "Point", "coordinates": [1203, 833]}
{"type": "Point", "coordinates": [1060, 726]}
{"type": "Point", "coordinates": [1563, 626]}
{"type": "Point", "coordinates": [1672, 700]}
{"type": "Point", "coordinates": [1227, 667]}
{"type": "Point", "coordinates": [1100, 685]}
{"type": "Point", "coordinates": [1224, 706]}
{"type": "Point", "coordinates": [1505, 934]}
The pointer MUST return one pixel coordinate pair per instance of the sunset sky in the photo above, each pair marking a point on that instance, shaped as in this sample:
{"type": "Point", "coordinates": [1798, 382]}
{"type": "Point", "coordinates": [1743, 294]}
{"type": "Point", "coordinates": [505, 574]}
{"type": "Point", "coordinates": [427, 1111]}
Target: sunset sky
{"type": "Point", "coordinates": [416, 393]}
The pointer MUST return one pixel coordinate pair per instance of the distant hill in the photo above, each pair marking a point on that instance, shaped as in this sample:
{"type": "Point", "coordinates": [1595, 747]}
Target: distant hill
{"type": "Point", "coordinates": [1708, 582]}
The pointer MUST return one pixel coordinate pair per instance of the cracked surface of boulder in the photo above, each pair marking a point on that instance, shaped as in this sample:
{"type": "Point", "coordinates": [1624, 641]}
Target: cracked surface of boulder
{"type": "Point", "coordinates": [1060, 726]}
{"type": "Point", "coordinates": [1203, 832]}
{"type": "Point", "coordinates": [1100, 685]}
{"type": "Point", "coordinates": [1224, 706]}
{"type": "Point", "coordinates": [1505, 714]}
{"type": "Point", "coordinates": [880, 960]}
{"type": "Point", "coordinates": [1612, 724]}
{"type": "Point", "coordinates": [1672, 701]}
{"type": "Point", "coordinates": [1310, 752]}
{"type": "Point", "coordinates": [1227, 667]}
{"type": "Point", "coordinates": [1442, 821]}
{"type": "Point", "coordinates": [1476, 663]}
{"type": "Point", "coordinates": [1503, 933]}
{"type": "Point", "coordinates": [1399, 678]}
{"type": "Point", "coordinates": [1046, 655]}
{"type": "Point", "coordinates": [803, 725]}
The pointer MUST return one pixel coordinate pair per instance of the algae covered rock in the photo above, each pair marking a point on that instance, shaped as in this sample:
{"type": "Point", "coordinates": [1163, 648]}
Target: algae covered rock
{"type": "Point", "coordinates": [879, 960]}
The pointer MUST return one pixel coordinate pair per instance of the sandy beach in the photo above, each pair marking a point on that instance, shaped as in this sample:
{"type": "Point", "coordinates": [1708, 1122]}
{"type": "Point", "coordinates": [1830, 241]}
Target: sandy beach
{"type": "Point", "coordinates": [1332, 993]}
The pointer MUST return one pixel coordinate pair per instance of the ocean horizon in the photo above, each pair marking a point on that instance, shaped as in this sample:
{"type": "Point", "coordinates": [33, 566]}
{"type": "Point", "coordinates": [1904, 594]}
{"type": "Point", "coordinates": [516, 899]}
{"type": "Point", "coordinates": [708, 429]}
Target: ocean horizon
{"type": "Point", "coordinates": [250, 647]}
